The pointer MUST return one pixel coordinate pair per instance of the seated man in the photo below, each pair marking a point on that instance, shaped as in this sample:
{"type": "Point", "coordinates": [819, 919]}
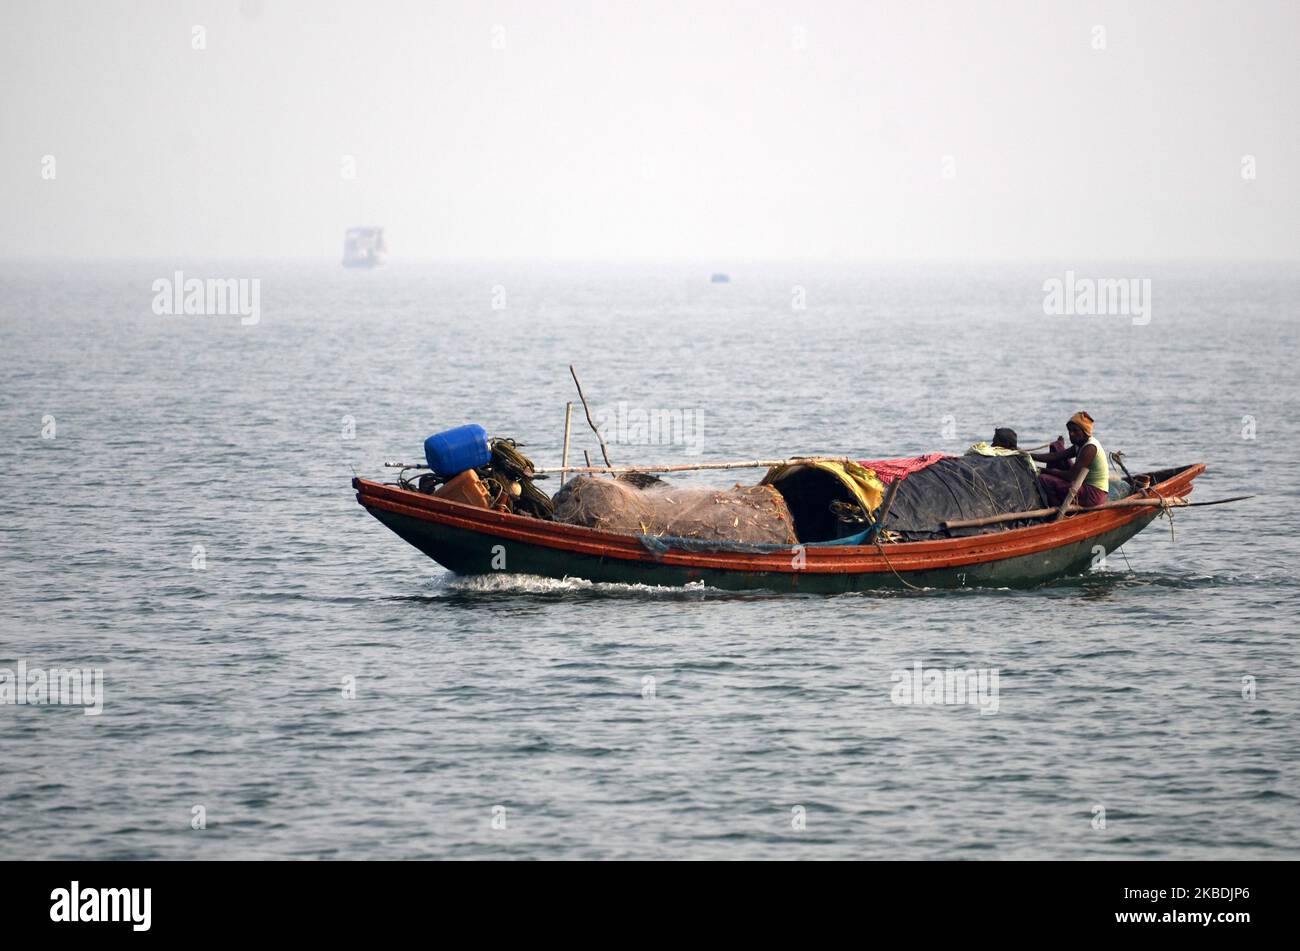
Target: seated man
{"type": "Point", "coordinates": [1004, 438]}
{"type": "Point", "coordinates": [1088, 455]}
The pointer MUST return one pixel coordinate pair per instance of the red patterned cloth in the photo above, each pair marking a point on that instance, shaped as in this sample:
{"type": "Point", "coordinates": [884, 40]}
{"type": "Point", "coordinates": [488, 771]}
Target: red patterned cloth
{"type": "Point", "coordinates": [887, 470]}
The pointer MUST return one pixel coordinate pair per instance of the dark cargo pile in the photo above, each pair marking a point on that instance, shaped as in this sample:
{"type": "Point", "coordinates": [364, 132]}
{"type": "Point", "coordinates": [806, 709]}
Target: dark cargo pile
{"type": "Point", "coordinates": [962, 487]}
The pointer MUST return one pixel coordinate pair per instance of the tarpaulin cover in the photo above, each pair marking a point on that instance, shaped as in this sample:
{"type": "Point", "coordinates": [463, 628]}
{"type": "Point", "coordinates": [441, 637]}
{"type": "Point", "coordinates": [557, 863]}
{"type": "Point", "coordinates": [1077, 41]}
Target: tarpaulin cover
{"type": "Point", "coordinates": [866, 489]}
{"type": "Point", "coordinates": [810, 487]}
{"type": "Point", "coordinates": [961, 487]}
{"type": "Point", "coordinates": [887, 470]}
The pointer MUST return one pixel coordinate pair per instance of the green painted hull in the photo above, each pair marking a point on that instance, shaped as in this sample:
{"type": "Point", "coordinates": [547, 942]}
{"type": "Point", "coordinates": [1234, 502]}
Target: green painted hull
{"type": "Point", "coordinates": [471, 553]}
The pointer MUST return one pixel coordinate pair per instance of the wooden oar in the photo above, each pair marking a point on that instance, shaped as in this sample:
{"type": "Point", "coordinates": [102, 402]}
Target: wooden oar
{"type": "Point", "coordinates": [1130, 502]}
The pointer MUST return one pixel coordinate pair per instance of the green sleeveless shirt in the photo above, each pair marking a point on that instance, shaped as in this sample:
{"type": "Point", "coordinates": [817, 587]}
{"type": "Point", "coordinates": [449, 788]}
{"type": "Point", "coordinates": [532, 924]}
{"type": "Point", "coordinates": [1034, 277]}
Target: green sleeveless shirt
{"type": "Point", "coordinates": [1099, 471]}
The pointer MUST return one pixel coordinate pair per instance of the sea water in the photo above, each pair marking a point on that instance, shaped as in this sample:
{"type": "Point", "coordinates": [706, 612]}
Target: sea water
{"type": "Point", "coordinates": [284, 677]}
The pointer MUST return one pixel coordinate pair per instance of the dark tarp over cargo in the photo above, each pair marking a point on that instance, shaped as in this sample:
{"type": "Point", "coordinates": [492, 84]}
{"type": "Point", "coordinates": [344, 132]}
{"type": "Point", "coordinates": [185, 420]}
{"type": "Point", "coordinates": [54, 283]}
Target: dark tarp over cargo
{"type": "Point", "coordinates": [962, 487]}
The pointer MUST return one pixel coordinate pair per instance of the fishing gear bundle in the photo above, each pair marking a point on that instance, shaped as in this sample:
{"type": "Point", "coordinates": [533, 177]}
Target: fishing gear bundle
{"type": "Point", "coordinates": [503, 482]}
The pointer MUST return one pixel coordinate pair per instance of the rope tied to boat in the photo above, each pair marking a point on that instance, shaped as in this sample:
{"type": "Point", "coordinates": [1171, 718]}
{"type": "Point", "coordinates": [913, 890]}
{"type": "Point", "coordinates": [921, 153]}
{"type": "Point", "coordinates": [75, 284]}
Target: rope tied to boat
{"type": "Point", "coordinates": [1166, 510]}
{"type": "Point", "coordinates": [851, 513]}
{"type": "Point", "coordinates": [890, 566]}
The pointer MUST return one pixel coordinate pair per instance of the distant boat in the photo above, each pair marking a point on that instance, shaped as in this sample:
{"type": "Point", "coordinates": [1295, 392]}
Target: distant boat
{"type": "Point", "coordinates": [720, 278]}
{"type": "Point", "coordinates": [364, 247]}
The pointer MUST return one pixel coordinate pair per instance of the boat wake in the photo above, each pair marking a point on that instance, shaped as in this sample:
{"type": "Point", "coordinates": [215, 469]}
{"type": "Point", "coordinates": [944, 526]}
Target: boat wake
{"type": "Point", "coordinates": [517, 584]}
{"type": "Point", "coordinates": [1118, 580]}
{"type": "Point", "coordinates": [487, 587]}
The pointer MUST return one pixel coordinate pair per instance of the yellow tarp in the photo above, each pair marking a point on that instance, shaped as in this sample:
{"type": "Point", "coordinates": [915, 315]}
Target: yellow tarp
{"type": "Point", "coordinates": [984, 449]}
{"type": "Point", "coordinates": [866, 488]}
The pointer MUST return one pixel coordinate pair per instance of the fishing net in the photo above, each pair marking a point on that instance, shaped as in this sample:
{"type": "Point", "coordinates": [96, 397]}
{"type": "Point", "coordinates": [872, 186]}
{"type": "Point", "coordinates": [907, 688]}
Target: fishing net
{"type": "Point", "coordinates": [509, 465]}
{"type": "Point", "coordinates": [752, 514]}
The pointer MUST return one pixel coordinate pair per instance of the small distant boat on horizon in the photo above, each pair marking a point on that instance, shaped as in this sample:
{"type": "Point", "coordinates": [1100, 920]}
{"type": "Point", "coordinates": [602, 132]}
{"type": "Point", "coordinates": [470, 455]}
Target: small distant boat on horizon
{"type": "Point", "coordinates": [364, 247]}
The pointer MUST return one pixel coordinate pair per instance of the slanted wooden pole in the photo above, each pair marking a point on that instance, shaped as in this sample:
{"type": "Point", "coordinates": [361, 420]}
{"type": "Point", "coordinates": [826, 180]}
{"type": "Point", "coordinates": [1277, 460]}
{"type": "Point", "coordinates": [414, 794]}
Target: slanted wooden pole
{"type": "Point", "coordinates": [1069, 496]}
{"type": "Point", "coordinates": [879, 526]}
{"type": "Point", "coordinates": [590, 422]}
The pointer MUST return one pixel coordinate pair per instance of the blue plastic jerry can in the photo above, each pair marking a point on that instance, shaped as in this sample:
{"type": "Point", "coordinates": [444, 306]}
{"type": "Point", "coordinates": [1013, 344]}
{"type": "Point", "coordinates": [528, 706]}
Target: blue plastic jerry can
{"type": "Point", "coordinates": [451, 452]}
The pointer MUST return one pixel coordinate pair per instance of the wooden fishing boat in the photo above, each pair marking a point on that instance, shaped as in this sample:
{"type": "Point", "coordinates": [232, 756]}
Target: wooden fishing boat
{"type": "Point", "coordinates": [471, 540]}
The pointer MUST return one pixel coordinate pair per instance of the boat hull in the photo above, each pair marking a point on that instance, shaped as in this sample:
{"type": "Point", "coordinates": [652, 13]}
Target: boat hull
{"type": "Point", "coordinates": [470, 541]}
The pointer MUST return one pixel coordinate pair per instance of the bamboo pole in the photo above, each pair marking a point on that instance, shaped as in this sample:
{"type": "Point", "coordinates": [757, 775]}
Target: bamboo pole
{"type": "Point", "coordinates": [590, 422]}
{"type": "Point", "coordinates": [697, 466]}
{"type": "Point", "coordinates": [564, 454]}
{"type": "Point", "coordinates": [878, 525]}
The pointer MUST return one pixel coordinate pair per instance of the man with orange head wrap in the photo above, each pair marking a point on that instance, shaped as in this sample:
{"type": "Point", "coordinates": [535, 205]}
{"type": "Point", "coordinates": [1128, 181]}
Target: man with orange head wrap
{"type": "Point", "coordinates": [1087, 454]}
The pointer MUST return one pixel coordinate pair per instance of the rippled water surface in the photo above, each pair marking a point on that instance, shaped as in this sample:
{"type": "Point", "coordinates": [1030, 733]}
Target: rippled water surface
{"type": "Point", "coordinates": [615, 721]}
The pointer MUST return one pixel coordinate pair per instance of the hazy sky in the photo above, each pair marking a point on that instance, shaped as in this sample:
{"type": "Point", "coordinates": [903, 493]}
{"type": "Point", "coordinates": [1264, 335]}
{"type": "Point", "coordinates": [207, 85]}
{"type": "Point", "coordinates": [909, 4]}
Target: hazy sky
{"type": "Point", "coordinates": [636, 129]}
